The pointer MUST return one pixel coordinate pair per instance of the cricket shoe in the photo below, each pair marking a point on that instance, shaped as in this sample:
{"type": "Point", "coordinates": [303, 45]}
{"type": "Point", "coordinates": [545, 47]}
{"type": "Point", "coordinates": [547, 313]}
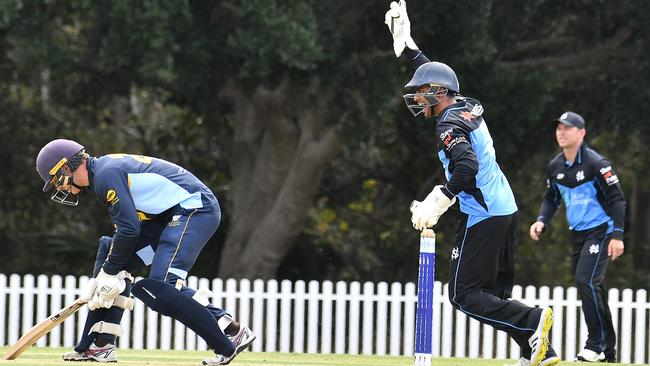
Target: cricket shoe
{"type": "Point", "coordinates": [93, 353]}
{"type": "Point", "coordinates": [587, 355]}
{"type": "Point", "coordinates": [538, 342]}
{"type": "Point", "coordinates": [550, 360]}
{"type": "Point", "coordinates": [241, 341]}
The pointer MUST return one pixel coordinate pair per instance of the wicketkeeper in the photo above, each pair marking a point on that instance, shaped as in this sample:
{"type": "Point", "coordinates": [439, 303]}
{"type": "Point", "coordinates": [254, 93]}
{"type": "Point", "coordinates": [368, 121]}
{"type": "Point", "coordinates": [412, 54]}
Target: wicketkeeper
{"type": "Point", "coordinates": [482, 265]}
{"type": "Point", "coordinates": [163, 216]}
{"type": "Point", "coordinates": [595, 209]}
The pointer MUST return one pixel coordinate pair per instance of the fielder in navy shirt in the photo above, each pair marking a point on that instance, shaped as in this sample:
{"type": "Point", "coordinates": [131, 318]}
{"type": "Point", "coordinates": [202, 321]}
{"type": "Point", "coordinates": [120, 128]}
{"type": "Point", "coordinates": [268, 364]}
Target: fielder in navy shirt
{"type": "Point", "coordinates": [595, 207]}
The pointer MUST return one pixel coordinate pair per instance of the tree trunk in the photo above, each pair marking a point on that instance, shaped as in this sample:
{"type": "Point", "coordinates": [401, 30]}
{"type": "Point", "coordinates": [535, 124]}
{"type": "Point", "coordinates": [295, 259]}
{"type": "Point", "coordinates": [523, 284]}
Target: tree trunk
{"type": "Point", "coordinates": [281, 145]}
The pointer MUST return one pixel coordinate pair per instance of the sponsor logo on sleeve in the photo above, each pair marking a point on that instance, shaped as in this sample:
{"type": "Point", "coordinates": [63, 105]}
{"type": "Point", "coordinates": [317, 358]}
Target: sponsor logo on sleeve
{"type": "Point", "coordinates": [111, 197]}
{"type": "Point", "coordinates": [559, 176]}
{"type": "Point", "coordinates": [449, 140]}
{"type": "Point", "coordinates": [609, 176]}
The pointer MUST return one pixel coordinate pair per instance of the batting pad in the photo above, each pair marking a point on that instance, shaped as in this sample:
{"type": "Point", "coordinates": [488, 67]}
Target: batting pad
{"type": "Point", "coordinates": [165, 299]}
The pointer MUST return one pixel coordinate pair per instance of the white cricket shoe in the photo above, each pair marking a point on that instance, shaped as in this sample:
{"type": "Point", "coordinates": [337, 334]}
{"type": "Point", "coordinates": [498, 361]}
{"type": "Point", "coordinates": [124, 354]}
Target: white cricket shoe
{"type": "Point", "coordinates": [93, 353]}
{"type": "Point", "coordinates": [539, 340]}
{"type": "Point", "coordinates": [587, 355]}
{"type": "Point", "coordinates": [75, 356]}
{"type": "Point", "coordinates": [241, 340]}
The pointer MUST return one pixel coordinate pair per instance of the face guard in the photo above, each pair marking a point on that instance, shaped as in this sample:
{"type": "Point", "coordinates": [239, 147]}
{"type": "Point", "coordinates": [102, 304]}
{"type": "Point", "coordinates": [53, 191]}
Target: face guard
{"type": "Point", "coordinates": [62, 180]}
{"type": "Point", "coordinates": [432, 96]}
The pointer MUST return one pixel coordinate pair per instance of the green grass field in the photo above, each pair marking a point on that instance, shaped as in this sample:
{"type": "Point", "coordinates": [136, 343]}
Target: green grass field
{"type": "Point", "coordinates": [52, 356]}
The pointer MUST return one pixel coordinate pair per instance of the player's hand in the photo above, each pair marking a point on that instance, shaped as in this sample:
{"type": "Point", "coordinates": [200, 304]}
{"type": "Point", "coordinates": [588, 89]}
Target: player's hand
{"type": "Point", "coordinates": [399, 25]}
{"type": "Point", "coordinates": [425, 214]}
{"type": "Point", "coordinates": [536, 229]}
{"type": "Point", "coordinates": [108, 287]}
{"type": "Point", "coordinates": [88, 291]}
{"type": "Point", "coordinates": [615, 248]}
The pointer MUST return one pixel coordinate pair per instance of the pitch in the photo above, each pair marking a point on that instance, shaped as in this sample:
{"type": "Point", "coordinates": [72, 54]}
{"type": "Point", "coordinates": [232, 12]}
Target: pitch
{"type": "Point", "coordinates": [52, 357]}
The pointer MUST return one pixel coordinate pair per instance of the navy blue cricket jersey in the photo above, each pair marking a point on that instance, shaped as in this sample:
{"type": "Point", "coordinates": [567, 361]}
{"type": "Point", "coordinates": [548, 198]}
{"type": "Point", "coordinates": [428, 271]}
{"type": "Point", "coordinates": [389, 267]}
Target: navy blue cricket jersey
{"type": "Point", "coordinates": [467, 154]}
{"type": "Point", "coordinates": [137, 188]}
{"type": "Point", "coordinates": [590, 189]}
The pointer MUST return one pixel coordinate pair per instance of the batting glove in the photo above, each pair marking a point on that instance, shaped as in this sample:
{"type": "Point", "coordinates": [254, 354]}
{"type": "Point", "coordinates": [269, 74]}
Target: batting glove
{"type": "Point", "coordinates": [399, 25]}
{"type": "Point", "coordinates": [107, 289]}
{"type": "Point", "coordinates": [425, 214]}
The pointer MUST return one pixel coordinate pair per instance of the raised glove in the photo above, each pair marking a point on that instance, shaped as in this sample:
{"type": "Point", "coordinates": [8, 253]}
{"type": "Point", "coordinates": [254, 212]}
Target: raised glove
{"type": "Point", "coordinates": [425, 214]}
{"type": "Point", "coordinates": [107, 288]}
{"type": "Point", "coordinates": [399, 25]}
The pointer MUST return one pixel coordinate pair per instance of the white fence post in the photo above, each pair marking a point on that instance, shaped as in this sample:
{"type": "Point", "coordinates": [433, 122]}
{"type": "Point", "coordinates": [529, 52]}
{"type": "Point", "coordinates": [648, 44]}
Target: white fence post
{"type": "Point", "coordinates": [299, 318]}
{"type": "Point", "coordinates": [285, 316]}
{"type": "Point", "coordinates": [3, 309]}
{"type": "Point", "coordinates": [326, 318]}
{"type": "Point", "coordinates": [355, 294]}
{"type": "Point", "coordinates": [640, 329]}
{"type": "Point", "coordinates": [409, 317]}
{"type": "Point", "coordinates": [341, 306]}
{"type": "Point", "coordinates": [312, 317]}
{"type": "Point", "coordinates": [382, 318]}
{"type": "Point", "coordinates": [395, 318]}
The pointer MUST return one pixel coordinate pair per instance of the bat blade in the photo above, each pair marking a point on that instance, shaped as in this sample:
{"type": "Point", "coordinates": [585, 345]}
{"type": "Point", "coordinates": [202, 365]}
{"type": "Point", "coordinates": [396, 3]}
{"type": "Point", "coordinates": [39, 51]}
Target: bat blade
{"type": "Point", "coordinates": [39, 330]}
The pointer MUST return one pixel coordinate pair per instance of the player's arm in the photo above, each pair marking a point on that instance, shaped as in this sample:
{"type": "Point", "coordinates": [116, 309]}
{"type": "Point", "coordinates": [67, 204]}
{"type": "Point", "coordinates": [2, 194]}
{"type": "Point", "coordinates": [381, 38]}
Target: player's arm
{"type": "Point", "coordinates": [113, 190]}
{"type": "Point", "coordinates": [608, 182]}
{"type": "Point", "coordinates": [455, 142]}
{"type": "Point", "coordinates": [551, 202]}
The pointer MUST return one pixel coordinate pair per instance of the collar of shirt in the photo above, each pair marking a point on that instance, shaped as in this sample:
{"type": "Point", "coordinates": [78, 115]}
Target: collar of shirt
{"type": "Point", "coordinates": [578, 157]}
{"type": "Point", "coordinates": [445, 112]}
{"type": "Point", "coordinates": [90, 167]}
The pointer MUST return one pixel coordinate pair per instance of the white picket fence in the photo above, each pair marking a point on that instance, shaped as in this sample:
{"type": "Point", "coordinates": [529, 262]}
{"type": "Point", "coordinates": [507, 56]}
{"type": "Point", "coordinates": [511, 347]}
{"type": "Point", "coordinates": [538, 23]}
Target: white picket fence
{"type": "Point", "coordinates": [327, 317]}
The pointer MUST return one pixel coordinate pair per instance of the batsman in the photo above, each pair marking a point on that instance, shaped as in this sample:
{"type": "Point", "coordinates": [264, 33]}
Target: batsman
{"type": "Point", "coordinates": [163, 216]}
{"type": "Point", "coordinates": [482, 267]}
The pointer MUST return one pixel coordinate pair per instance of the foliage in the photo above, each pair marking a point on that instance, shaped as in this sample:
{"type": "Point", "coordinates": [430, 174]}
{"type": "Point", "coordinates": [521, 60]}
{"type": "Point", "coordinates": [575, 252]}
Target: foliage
{"type": "Point", "coordinates": [150, 77]}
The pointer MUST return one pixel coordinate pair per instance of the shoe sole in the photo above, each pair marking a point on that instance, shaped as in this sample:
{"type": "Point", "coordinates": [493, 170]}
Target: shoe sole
{"type": "Point", "coordinates": [239, 349]}
{"type": "Point", "coordinates": [546, 327]}
{"type": "Point", "coordinates": [245, 345]}
{"type": "Point", "coordinates": [550, 362]}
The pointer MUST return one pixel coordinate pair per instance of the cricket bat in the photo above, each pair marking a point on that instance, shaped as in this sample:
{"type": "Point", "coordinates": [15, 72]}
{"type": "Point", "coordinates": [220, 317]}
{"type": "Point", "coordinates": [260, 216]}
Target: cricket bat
{"type": "Point", "coordinates": [42, 328]}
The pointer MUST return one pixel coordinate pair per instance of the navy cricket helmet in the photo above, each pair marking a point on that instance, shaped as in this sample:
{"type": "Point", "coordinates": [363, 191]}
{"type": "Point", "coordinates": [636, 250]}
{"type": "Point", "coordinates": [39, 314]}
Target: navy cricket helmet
{"type": "Point", "coordinates": [49, 163]}
{"type": "Point", "coordinates": [440, 78]}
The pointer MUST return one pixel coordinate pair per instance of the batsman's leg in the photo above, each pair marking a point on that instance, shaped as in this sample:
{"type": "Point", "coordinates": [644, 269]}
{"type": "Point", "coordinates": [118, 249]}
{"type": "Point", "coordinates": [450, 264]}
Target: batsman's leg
{"type": "Point", "coordinates": [167, 300]}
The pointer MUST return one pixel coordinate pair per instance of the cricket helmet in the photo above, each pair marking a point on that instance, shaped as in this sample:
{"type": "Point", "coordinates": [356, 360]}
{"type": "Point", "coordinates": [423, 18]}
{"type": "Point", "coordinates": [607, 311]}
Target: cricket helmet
{"type": "Point", "coordinates": [440, 78]}
{"type": "Point", "coordinates": [50, 162]}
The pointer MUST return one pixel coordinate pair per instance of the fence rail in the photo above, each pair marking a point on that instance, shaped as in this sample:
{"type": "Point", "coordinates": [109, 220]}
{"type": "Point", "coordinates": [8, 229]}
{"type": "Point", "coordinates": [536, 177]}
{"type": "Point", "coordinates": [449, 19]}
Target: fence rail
{"type": "Point", "coordinates": [326, 317]}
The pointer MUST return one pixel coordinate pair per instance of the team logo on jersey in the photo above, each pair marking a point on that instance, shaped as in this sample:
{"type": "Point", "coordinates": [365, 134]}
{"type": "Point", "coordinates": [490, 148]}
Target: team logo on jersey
{"type": "Point", "coordinates": [580, 175]}
{"type": "Point", "coordinates": [594, 249]}
{"type": "Point", "coordinates": [466, 115]}
{"type": "Point", "coordinates": [455, 253]}
{"type": "Point", "coordinates": [560, 176]}
{"type": "Point", "coordinates": [142, 216]}
{"type": "Point", "coordinates": [111, 197]}
{"type": "Point", "coordinates": [175, 221]}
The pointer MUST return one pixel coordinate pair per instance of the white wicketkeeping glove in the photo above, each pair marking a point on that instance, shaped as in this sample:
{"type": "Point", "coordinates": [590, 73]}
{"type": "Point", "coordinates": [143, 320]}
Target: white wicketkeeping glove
{"type": "Point", "coordinates": [399, 25]}
{"type": "Point", "coordinates": [107, 289]}
{"type": "Point", "coordinates": [425, 214]}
